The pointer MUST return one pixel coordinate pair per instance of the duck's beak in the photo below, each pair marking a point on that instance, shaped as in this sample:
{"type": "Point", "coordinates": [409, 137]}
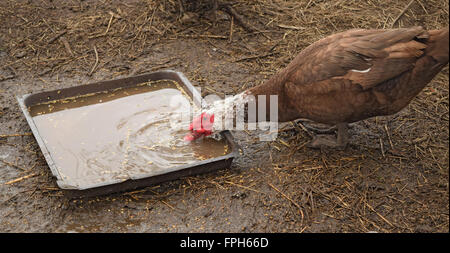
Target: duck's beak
{"type": "Point", "coordinates": [192, 136]}
{"type": "Point", "coordinates": [200, 126]}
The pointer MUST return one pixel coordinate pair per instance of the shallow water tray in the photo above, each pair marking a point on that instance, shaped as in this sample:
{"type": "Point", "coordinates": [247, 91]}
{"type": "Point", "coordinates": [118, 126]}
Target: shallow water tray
{"type": "Point", "coordinates": [133, 181]}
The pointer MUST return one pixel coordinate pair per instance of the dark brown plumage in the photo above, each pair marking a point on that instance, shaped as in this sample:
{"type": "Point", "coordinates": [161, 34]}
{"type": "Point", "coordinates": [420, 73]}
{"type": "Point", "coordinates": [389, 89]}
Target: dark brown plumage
{"type": "Point", "coordinates": [355, 75]}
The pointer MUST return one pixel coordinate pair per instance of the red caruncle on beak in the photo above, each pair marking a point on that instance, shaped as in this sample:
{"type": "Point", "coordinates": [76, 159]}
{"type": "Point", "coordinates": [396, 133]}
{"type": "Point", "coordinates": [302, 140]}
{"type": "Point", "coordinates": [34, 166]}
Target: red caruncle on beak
{"type": "Point", "coordinates": [200, 126]}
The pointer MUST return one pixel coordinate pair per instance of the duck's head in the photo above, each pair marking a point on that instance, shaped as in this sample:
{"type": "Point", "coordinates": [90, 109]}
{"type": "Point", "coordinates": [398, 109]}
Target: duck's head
{"type": "Point", "coordinates": [200, 126]}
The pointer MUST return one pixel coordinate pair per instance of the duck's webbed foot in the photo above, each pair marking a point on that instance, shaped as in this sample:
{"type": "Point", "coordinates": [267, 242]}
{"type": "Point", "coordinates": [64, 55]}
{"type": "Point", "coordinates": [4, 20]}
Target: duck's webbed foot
{"type": "Point", "coordinates": [320, 141]}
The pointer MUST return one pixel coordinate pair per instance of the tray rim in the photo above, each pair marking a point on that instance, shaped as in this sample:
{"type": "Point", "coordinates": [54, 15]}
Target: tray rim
{"type": "Point", "coordinates": [195, 95]}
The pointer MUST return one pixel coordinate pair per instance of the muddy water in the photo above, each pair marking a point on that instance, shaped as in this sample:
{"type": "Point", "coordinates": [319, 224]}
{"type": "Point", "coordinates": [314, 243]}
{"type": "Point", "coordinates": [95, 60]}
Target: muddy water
{"type": "Point", "coordinates": [113, 136]}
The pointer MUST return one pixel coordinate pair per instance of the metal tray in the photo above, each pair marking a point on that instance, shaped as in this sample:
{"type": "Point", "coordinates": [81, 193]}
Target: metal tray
{"type": "Point", "coordinates": [209, 165]}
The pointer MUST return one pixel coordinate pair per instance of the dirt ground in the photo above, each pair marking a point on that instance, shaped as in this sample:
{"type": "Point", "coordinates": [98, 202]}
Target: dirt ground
{"type": "Point", "coordinates": [393, 177]}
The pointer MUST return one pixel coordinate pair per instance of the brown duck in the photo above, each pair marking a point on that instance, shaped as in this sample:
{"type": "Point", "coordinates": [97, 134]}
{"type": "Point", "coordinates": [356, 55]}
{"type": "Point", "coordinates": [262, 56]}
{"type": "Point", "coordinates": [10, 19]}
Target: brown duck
{"type": "Point", "coordinates": [348, 77]}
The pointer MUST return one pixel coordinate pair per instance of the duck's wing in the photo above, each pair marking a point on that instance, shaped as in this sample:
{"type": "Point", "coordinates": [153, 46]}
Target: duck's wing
{"type": "Point", "coordinates": [366, 57]}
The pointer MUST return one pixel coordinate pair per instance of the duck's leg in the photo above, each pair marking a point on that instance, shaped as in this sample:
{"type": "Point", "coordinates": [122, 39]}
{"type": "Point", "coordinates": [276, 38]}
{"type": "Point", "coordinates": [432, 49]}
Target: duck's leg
{"type": "Point", "coordinates": [340, 142]}
{"type": "Point", "coordinates": [342, 135]}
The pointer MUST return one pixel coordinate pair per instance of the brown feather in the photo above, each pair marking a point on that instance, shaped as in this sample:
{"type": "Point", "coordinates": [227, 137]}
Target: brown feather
{"type": "Point", "coordinates": [357, 74]}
